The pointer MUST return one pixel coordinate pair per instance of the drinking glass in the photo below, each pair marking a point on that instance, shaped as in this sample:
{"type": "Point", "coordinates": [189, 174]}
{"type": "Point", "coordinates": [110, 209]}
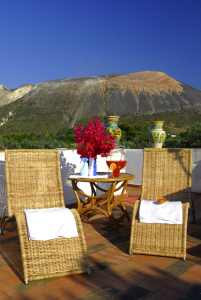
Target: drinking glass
{"type": "Point", "coordinates": [116, 161]}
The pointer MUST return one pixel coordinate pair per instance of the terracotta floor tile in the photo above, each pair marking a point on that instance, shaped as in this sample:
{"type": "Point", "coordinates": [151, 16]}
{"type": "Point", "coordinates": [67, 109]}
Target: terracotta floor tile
{"type": "Point", "coordinates": [193, 276]}
{"type": "Point", "coordinates": [116, 275]}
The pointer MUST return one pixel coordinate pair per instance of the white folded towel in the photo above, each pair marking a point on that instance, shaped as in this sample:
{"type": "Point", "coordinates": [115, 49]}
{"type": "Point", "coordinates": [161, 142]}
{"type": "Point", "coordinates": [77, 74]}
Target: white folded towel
{"type": "Point", "coordinates": [169, 212]}
{"type": "Point", "coordinates": [50, 223]}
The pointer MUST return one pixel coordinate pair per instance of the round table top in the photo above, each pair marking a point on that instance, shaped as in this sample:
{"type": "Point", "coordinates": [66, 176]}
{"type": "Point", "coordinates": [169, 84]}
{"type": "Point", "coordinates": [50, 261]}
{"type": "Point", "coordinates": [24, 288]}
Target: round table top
{"type": "Point", "coordinates": [102, 177]}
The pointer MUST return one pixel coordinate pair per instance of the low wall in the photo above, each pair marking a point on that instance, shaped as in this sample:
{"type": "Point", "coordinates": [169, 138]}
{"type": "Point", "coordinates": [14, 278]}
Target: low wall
{"type": "Point", "coordinates": [70, 163]}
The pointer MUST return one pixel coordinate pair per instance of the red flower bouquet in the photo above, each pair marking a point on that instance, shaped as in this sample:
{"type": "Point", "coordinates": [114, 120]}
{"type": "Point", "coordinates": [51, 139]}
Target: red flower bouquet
{"type": "Point", "coordinates": [93, 139]}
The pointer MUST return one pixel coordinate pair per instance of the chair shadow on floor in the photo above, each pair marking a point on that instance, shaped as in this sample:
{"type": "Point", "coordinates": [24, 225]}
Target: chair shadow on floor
{"type": "Point", "coordinates": [195, 251]}
{"type": "Point", "coordinates": [194, 241]}
{"type": "Point", "coordinates": [116, 233]}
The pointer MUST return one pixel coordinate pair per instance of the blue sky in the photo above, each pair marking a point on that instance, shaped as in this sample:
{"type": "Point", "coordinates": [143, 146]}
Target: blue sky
{"type": "Point", "coordinates": [45, 40]}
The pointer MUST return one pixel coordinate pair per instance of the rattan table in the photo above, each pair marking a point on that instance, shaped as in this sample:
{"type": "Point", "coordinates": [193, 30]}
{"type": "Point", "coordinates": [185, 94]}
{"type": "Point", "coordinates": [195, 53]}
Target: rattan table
{"type": "Point", "coordinates": [108, 200]}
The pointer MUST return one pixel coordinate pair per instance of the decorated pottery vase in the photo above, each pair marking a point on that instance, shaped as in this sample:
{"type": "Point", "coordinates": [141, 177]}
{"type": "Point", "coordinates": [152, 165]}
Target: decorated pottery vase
{"type": "Point", "coordinates": [158, 134]}
{"type": "Point", "coordinates": [113, 128]}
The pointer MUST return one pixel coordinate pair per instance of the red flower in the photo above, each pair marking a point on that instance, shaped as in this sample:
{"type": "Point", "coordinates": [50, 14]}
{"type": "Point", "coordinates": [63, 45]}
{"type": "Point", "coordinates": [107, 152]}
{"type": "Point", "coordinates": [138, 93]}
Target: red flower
{"type": "Point", "coordinates": [93, 139]}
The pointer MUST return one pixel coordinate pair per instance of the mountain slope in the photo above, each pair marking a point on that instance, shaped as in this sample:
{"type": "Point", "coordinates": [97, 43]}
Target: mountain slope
{"type": "Point", "coordinates": [53, 105]}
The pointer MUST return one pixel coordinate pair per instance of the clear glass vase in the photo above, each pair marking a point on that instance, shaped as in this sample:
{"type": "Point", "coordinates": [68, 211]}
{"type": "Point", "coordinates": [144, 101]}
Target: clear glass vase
{"type": "Point", "coordinates": [84, 169]}
{"type": "Point", "coordinates": [92, 170]}
{"type": "Point", "coordinates": [88, 167]}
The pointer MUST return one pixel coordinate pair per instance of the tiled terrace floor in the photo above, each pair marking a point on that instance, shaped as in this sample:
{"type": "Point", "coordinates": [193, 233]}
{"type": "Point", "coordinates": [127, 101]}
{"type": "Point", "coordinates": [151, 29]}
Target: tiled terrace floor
{"type": "Point", "coordinates": [116, 275]}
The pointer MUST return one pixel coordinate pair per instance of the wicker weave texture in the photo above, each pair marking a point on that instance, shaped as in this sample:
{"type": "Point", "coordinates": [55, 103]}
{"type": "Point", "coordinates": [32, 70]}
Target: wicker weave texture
{"type": "Point", "coordinates": [159, 239]}
{"type": "Point", "coordinates": [33, 181]}
{"type": "Point", "coordinates": [52, 258]}
{"type": "Point", "coordinates": [166, 173]}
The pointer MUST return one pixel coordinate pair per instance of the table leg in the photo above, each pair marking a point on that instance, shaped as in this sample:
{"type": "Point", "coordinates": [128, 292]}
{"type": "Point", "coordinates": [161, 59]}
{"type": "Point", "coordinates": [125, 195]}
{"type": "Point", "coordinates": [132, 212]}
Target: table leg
{"type": "Point", "coordinates": [117, 201]}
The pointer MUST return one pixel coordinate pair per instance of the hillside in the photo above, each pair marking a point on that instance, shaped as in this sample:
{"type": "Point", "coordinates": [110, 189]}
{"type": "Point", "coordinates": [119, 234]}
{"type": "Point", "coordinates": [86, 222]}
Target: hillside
{"type": "Point", "coordinates": [51, 106]}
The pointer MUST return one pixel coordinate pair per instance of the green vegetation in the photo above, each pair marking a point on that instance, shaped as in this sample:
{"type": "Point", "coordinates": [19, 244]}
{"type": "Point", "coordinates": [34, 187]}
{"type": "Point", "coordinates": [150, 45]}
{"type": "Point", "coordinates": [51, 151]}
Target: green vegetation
{"type": "Point", "coordinates": [137, 133]}
{"type": "Point", "coordinates": [62, 139]}
{"type": "Point", "coordinates": [183, 130]}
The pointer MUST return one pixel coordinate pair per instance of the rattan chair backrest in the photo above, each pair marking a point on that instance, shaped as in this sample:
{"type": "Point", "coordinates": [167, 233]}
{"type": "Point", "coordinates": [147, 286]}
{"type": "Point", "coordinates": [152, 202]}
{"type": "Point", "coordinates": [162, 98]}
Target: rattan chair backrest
{"type": "Point", "coordinates": [166, 173]}
{"type": "Point", "coordinates": [33, 179]}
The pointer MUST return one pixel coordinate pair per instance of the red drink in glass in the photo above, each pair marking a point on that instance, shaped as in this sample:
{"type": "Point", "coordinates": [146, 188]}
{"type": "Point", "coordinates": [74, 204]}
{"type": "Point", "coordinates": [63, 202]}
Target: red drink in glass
{"type": "Point", "coordinates": [116, 166]}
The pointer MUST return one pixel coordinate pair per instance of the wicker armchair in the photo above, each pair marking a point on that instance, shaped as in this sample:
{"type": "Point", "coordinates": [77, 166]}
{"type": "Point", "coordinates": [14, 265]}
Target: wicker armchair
{"type": "Point", "coordinates": [166, 173]}
{"type": "Point", "coordinates": [33, 181]}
